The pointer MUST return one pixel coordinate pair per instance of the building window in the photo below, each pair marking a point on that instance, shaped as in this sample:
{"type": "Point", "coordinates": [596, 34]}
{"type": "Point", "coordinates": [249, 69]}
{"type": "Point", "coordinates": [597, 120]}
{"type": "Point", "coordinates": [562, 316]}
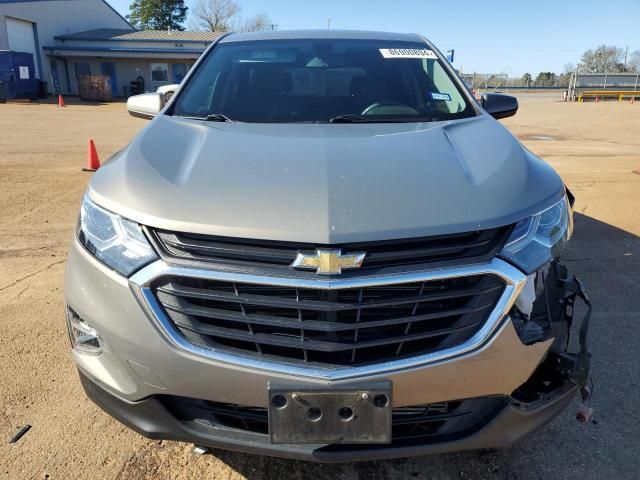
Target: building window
{"type": "Point", "coordinates": [159, 72]}
{"type": "Point", "coordinates": [179, 72]}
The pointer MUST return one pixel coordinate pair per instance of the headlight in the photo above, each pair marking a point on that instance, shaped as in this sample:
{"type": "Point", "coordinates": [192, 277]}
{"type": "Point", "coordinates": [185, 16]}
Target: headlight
{"type": "Point", "coordinates": [537, 240]}
{"type": "Point", "coordinates": [115, 241]}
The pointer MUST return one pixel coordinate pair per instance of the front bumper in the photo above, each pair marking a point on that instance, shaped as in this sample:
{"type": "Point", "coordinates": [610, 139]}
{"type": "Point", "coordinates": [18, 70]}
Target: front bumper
{"type": "Point", "coordinates": [138, 363]}
{"type": "Point", "coordinates": [150, 418]}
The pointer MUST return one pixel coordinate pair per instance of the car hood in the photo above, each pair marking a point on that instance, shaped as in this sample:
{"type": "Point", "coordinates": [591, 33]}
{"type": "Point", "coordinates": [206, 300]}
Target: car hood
{"type": "Point", "coordinates": [325, 183]}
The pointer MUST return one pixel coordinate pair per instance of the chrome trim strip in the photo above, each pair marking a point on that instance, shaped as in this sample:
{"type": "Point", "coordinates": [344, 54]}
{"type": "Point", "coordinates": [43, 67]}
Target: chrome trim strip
{"type": "Point", "coordinates": [513, 278]}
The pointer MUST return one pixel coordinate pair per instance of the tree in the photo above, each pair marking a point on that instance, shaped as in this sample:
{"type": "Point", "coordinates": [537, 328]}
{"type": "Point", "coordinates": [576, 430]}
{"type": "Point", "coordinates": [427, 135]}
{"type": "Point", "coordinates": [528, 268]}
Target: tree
{"type": "Point", "coordinates": [565, 77]}
{"type": "Point", "coordinates": [604, 59]}
{"type": "Point", "coordinates": [526, 80]}
{"type": "Point", "coordinates": [223, 16]}
{"type": "Point", "coordinates": [633, 65]}
{"type": "Point", "coordinates": [158, 14]}
{"type": "Point", "coordinates": [216, 15]}
{"type": "Point", "coordinates": [257, 23]}
{"type": "Point", "coordinates": [545, 79]}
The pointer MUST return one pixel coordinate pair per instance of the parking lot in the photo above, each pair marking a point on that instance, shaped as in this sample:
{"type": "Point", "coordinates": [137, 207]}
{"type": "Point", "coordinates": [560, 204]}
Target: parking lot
{"type": "Point", "coordinates": [595, 147]}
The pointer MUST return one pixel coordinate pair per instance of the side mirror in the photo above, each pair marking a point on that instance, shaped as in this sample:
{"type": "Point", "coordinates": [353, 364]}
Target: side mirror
{"type": "Point", "coordinates": [147, 105]}
{"type": "Point", "coordinates": [499, 106]}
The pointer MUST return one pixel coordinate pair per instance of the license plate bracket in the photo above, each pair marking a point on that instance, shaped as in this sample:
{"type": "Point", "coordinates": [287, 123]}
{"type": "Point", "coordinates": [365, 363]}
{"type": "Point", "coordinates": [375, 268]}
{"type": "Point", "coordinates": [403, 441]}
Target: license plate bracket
{"type": "Point", "coordinates": [345, 414]}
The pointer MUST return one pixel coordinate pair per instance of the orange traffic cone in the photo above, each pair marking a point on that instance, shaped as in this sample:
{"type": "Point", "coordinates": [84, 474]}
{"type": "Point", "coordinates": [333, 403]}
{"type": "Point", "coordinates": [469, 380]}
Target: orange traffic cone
{"type": "Point", "coordinates": [93, 163]}
{"type": "Point", "coordinates": [60, 101]}
{"type": "Point", "coordinates": [597, 99]}
{"type": "Point", "coordinates": [633, 99]}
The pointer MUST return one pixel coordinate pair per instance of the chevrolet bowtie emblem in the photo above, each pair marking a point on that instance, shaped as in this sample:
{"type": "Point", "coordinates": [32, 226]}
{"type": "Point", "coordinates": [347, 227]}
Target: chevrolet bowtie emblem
{"type": "Point", "coordinates": [328, 262]}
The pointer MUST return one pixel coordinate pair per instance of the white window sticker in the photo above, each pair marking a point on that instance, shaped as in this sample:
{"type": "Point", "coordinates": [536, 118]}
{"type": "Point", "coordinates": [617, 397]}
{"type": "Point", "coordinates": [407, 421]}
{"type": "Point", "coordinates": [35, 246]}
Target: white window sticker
{"type": "Point", "coordinates": [407, 53]}
{"type": "Point", "coordinates": [440, 96]}
{"type": "Point", "coordinates": [24, 73]}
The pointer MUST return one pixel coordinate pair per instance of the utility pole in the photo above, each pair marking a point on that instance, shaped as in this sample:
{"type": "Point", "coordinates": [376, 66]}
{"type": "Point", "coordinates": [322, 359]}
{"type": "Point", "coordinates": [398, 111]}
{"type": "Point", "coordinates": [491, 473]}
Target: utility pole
{"type": "Point", "coordinates": [625, 58]}
{"type": "Point", "coordinates": [328, 23]}
{"type": "Point", "coordinates": [274, 26]}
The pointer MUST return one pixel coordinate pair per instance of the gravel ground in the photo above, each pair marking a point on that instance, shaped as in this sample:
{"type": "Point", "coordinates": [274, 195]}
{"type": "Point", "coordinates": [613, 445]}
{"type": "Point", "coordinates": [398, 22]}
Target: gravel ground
{"type": "Point", "coordinates": [595, 147]}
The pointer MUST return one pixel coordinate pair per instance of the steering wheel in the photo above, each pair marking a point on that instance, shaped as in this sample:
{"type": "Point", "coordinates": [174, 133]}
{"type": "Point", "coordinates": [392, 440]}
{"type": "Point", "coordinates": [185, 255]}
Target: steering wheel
{"type": "Point", "coordinates": [389, 108]}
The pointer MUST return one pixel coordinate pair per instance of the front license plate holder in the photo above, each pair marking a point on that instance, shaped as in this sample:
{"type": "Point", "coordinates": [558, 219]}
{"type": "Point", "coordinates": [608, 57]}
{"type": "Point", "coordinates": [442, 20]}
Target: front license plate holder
{"type": "Point", "coordinates": [349, 414]}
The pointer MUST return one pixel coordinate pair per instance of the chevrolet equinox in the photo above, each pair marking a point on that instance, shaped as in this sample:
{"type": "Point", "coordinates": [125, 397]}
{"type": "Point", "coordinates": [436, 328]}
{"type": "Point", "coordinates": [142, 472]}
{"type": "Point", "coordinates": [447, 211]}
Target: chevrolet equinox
{"type": "Point", "coordinates": [324, 247]}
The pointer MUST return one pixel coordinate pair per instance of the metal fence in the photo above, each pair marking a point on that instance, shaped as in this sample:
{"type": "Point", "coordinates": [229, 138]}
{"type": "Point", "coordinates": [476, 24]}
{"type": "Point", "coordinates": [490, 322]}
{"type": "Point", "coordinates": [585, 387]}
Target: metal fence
{"type": "Point", "coordinates": [612, 81]}
{"type": "Point", "coordinates": [486, 81]}
{"type": "Point", "coordinates": [502, 82]}
{"type": "Point", "coordinates": [569, 82]}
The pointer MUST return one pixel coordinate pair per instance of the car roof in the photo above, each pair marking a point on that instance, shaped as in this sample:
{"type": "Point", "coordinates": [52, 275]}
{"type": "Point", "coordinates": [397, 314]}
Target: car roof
{"type": "Point", "coordinates": [321, 34]}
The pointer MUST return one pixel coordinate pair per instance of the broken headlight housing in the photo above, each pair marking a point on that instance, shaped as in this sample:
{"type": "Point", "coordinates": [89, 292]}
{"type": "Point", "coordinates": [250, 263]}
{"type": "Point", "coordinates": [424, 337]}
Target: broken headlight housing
{"type": "Point", "coordinates": [115, 241]}
{"type": "Point", "coordinates": [539, 239]}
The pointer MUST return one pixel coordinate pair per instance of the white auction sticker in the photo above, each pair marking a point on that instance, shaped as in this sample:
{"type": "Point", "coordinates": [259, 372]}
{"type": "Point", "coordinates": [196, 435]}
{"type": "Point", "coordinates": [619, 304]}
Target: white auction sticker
{"type": "Point", "coordinates": [407, 53]}
{"type": "Point", "coordinates": [440, 96]}
{"type": "Point", "coordinates": [24, 73]}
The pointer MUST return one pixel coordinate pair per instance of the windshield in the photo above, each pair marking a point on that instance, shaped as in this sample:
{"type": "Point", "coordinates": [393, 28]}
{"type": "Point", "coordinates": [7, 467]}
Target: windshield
{"type": "Point", "coordinates": [284, 81]}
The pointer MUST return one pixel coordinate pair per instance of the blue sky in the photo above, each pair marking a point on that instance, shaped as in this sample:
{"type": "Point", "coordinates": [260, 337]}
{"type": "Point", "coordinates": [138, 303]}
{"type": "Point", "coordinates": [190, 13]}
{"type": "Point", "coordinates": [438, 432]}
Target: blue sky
{"type": "Point", "coordinates": [495, 36]}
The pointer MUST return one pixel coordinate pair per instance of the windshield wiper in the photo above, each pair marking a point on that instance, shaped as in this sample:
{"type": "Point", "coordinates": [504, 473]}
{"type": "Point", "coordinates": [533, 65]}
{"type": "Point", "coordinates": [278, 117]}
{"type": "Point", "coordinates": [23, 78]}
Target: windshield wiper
{"type": "Point", "coordinates": [212, 117]}
{"type": "Point", "coordinates": [350, 118]}
{"type": "Point", "coordinates": [353, 118]}
{"type": "Point", "coordinates": [218, 117]}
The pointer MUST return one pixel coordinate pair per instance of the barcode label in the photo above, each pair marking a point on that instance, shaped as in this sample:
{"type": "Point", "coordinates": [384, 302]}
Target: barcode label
{"type": "Point", "coordinates": [407, 53]}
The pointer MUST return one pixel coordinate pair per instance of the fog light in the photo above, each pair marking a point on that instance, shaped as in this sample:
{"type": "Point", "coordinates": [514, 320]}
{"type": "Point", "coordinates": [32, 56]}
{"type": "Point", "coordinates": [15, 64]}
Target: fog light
{"type": "Point", "coordinates": [84, 339]}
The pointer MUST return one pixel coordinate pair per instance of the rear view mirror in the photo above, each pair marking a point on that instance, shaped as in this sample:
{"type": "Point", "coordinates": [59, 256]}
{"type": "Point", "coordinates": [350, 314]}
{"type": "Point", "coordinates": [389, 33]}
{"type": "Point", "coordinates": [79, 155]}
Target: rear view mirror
{"type": "Point", "coordinates": [498, 105]}
{"type": "Point", "coordinates": [147, 105]}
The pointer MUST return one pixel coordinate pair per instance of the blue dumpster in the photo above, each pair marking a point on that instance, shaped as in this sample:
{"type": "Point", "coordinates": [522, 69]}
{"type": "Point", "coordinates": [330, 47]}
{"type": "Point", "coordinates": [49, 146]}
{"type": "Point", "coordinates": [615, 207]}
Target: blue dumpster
{"type": "Point", "coordinates": [17, 72]}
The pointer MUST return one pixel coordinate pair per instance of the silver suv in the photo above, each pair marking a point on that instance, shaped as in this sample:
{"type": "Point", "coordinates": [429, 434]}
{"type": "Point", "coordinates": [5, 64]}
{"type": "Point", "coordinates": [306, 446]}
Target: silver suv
{"type": "Point", "coordinates": [322, 247]}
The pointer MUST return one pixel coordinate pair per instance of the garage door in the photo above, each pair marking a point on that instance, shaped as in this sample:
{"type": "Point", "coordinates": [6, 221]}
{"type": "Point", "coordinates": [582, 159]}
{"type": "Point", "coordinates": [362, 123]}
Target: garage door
{"type": "Point", "coordinates": [21, 38]}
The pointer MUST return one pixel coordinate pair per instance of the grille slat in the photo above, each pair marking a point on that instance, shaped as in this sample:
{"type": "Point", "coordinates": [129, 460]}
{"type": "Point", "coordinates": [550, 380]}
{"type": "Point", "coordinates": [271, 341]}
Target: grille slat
{"type": "Point", "coordinates": [395, 256]}
{"type": "Point", "coordinates": [227, 249]}
{"type": "Point", "coordinates": [457, 248]}
{"type": "Point", "coordinates": [326, 306]}
{"type": "Point", "coordinates": [261, 300]}
{"type": "Point", "coordinates": [319, 346]}
{"type": "Point", "coordinates": [351, 326]}
{"type": "Point", "coordinates": [315, 325]}
{"type": "Point", "coordinates": [426, 417]}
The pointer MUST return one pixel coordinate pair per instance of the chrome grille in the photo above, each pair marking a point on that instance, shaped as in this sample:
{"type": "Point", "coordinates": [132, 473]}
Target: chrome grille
{"type": "Point", "coordinates": [349, 326]}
